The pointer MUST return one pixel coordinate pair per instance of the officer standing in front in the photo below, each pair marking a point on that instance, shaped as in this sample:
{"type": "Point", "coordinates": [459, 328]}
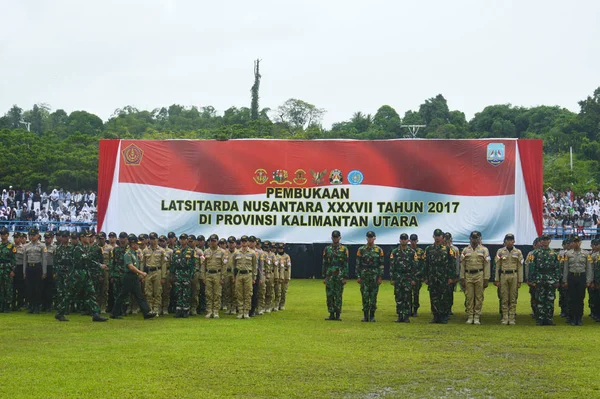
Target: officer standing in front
{"type": "Point", "coordinates": [509, 276]}
{"type": "Point", "coordinates": [439, 272]}
{"type": "Point", "coordinates": [34, 269]}
{"type": "Point", "coordinates": [369, 269]}
{"type": "Point", "coordinates": [335, 274]}
{"type": "Point", "coordinates": [475, 274]}
{"type": "Point", "coordinates": [545, 275]}
{"type": "Point", "coordinates": [577, 274]}
{"type": "Point", "coordinates": [155, 265]}
{"type": "Point", "coordinates": [403, 270]}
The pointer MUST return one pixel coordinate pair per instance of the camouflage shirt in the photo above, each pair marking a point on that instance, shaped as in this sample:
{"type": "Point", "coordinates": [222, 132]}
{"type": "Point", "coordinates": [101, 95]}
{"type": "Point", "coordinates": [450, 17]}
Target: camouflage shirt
{"type": "Point", "coordinates": [404, 264]}
{"type": "Point", "coordinates": [335, 261]}
{"type": "Point", "coordinates": [369, 260]}
{"type": "Point", "coordinates": [544, 266]}
{"type": "Point", "coordinates": [8, 258]}
{"type": "Point", "coordinates": [183, 260]}
{"type": "Point", "coordinates": [440, 264]}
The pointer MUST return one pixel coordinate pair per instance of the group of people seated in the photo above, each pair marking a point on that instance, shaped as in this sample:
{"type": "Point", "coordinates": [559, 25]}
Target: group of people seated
{"type": "Point", "coordinates": [566, 214]}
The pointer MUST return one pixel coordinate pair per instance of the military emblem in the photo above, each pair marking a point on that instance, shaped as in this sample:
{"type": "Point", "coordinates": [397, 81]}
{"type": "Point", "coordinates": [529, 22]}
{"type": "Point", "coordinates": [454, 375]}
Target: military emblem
{"type": "Point", "coordinates": [260, 176]}
{"type": "Point", "coordinates": [317, 177]}
{"type": "Point", "coordinates": [495, 153]}
{"type": "Point", "coordinates": [336, 177]}
{"type": "Point", "coordinates": [300, 177]}
{"type": "Point", "coordinates": [132, 155]}
{"type": "Point", "coordinates": [355, 177]}
{"type": "Point", "coordinates": [280, 176]}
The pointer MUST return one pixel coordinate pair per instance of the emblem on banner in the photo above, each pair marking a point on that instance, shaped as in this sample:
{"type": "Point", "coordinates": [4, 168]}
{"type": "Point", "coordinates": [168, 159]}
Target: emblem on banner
{"type": "Point", "coordinates": [260, 176]}
{"type": "Point", "coordinates": [280, 176]}
{"type": "Point", "coordinates": [355, 177]}
{"type": "Point", "coordinates": [317, 177]}
{"type": "Point", "coordinates": [336, 177]}
{"type": "Point", "coordinates": [495, 153]}
{"type": "Point", "coordinates": [300, 177]}
{"type": "Point", "coordinates": [132, 155]}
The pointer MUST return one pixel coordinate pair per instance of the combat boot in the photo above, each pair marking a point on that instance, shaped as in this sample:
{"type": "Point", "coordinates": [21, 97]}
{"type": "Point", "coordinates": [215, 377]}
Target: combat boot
{"type": "Point", "coordinates": [240, 316]}
{"type": "Point", "coordinates": [470, 319]}
{"type": "Point", "coordinates": [337, 316]}
{"type": "Point", "coordinates": [504, 321]}
{"type": "Point", "coordinates": [331, 316]}
{"type": "Point", "coordinates": [365, 317]}
{"type": "Point", "coordinates": [476, 320]}
{"type": "Point", "coordinates": [443, 319]}
{"type": "Point", "coordinates": [400, 319]}
{"type": "Point", "coordinates": [435, 319]}
{"type": "Point", "coordinates": [150, 315]}
{"type": "Point", "coordinates": [185, 314]}
{"type": "Point", "coordinates": [372, 316]}
{"type": "Point", "coordinates": [406, 318]}
{"type": "Point", "coordinates": [61, 317]}
{"type": "Point", "coordinates": [178, 314]}
{"type": "Point", "coordinates": [97, 317]}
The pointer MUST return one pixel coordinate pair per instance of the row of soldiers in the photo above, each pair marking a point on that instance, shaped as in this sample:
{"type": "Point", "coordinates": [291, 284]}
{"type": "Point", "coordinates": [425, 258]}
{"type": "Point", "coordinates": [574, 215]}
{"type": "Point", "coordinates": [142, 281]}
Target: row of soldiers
{"type": "Point", "coordinates": [180, 275]}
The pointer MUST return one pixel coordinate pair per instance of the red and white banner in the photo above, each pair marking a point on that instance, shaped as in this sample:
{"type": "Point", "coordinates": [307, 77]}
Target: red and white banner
{"type": "Point", "coordinates": [300, 191]}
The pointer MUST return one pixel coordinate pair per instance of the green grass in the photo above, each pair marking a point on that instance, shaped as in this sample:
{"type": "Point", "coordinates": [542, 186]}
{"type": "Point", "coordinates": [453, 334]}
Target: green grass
{"type": "Point", "coordinates": [296, 353]}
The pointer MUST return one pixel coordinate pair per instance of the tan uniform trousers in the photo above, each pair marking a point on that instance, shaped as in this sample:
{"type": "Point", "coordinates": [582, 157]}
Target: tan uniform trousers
{"type": "Point", "coordinates": [277, 290]}
{"type": "Point", "coordinates": [474, 293]}
{"type": "Point", "coordinates": [284, 288]}
{"type": "Point", "coordinates": [195, 291]}
{"type": "Point", "coordinates": [243, 292]}
{"type": "Point", "coordinates": [229, 292]}
{"type": "Point", "coordinates": [166, 295]}
{"type": "Point", "coordinates": [213, 293]}
{"type": "Point", "coordinates": [269, 292]}
{"type": "Point", "coordinates": [508, 293]}
{"type": "Point", "coordinates": [153, 290]}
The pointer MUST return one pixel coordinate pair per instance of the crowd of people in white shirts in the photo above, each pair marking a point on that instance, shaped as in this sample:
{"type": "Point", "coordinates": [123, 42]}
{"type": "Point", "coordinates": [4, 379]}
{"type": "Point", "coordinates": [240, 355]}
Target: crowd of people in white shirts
{"type": "Point", "coordinates": [50, 210]}
{"type": "Point", "coordinates": [566, 214]}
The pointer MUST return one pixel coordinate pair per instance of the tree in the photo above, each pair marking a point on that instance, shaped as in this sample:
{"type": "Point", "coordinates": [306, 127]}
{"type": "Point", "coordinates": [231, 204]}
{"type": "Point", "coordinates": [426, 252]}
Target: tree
{"type": "Point", "coordinates": [298, 114]}
{"type": "Point", "coordinates": [434, 108]}
{"type": "Point", "coordinates": [387, 120]}
{"type": "Point", "coordinates": [254, 104]}
{"type": "Point", "coordinates": [15, 115]}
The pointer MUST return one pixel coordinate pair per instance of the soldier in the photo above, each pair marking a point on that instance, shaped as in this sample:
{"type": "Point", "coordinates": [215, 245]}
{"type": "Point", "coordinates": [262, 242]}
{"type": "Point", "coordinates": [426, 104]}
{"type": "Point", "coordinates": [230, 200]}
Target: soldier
{"type": "Point", "coordinates": [223, 244]}
{"type": "Point", "coordinates": [197, 277]}
{"type": "Point", "coordinates": [131, 283]}
{"type": "Point", "coordinates": [183, 264]}
{"type": "Point", "coordinates": [536, 245]}
{"type": "Point", "coordinates": [595, 289]}
{"type": "Point", "coordinates": [416, 289]}
{"type": "Point", "coordinates": [245, 275]}
{"type": "Point", "coordinates": [201, 297]}
{"type": "Point", "coordinates": [271, 274]}
{"type": "Point", "coordinates": [475, 274]}
{"type": "Point", "coordinates": [335, 274]}
{"type": "Point", "coordinates": [439, 272]}
{"type": "Point", "coordinates": [256, 287]}
{"type": "Point", "coordinates": [34, 269]}
{"type": "Point", "coordinates": [102, 283]}
{"type": "Point", "coordinates": [403, 270]}
{"type": "Point", "coordinates": [509, 276]}
{"type": "Point", "coordinates": [562, 290]}
{"type": "Point", "coordinates": [112, 243]}
{"type": "Point", "coordinates": [48, 285]}
{"type": "Point", "coordinates": [452, 287]}
{"type": "Point", "coordinates": [18, 280]}
{"type": "Point", "coordinates": [577, 274]}
{"type": "Point", "coordinates": [172, 244]}
{"type": "Point", "coordinates": [228, 286]}
{"type": "Point", "coordinates": [168, 277]}
{"type": "Point", "coordinates": [155, 265]}
{"type": "Point", "coordinates": [285, 270]}
{"type": "Point", "coordinates": [63, 258]}
{"type": "Point", "coordinates": [7, 264]}
{"type": "Point", "coordinates": [276, 277]}
{"type": "Point", "coordinates": [212, 272]}
{"type": "Point", "coordinates": [261, 257]}
{"type": "Point", "coordinates": [369, 269]}
{"type": "Point", "coordinates": [544, 275]}
{"type": "Point", "coordinates": [116, 270]}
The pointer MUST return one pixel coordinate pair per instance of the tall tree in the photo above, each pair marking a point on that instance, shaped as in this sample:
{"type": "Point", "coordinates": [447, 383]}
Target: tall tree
{"type": "Point", "coordinates": [254, 113]}
{"type": "Point", "coordinates": [15, 115]}
{"type": "Point", "coordinates": [298, 114]}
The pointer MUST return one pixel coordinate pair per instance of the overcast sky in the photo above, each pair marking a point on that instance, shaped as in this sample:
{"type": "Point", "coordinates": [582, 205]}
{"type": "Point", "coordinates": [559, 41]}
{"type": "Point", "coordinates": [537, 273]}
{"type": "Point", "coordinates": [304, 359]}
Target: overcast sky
{"type": "Point", "coordinates": [343, 55]}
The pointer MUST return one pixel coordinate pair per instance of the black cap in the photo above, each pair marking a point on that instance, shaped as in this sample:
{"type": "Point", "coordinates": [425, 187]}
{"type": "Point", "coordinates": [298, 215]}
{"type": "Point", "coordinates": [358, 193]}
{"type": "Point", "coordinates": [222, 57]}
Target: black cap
{"type": "Point", "coordinates": [162, 238]}
{"type": "Point", "coordinates": [448, 234]}
{"type": "Point", "coordinates": [404, 236]}
{"type": "Point", "coordinates": [123, 235]}
{"type": "Point", "coordinates": [231, 239]}
{"type": "Point", "coordinates": [222, 241]}
{"type": "Point", "coordinates": [171, 235]}
{"type": "Point", "coordinates": [74, 234]}
{"type": "Point", "coordinates": [336, 233]}
{"type": "Point", "coordinates": [475, 234]}
{"type": "Point", "coordinates": [132, 238]}
{"type": "Point", "coordinates": [545, 237]}
{"type": "Point", "coordinates": [509, 236]}
{"type": "Point", "coordinates": [281, 245]}
{"type": "Point", "coordinates": [16, 234]}
{"type": "Point", "coordinates": [258, 241]}
{"type": "Point", "coordinates": [192, 237]}
{"type": "Point", "coordinates": [112, 234]}
{"type": "Point", "coordinates": [371, 233]}
{"type": "Point", "coordinates": [414, 237]}
{"type": "Point", "coordinates": [267, 243]}
{"type": "Point", "coordinates": [273, 244]}
{"type": "Point", "coordinates": [213, 237]}
{"type": "Point", "coordinates": [3, 230]}
{"type": "Point", "coordinates": [33, 231]}
{"type": "Point", "coordinates": [183, 236]}
{"type": "Point", "coordinates": [102, 235]}
{"type": "Point", "coordinates": [153, 235]}
{"type": "Point", "coordinates": [438, 232]}
{"type": "Point", "coordinates": [576, 238]}
{"type": "Point", "coordinates": [252, 239]}
{"type": "Point", "coordinates": [201, 238]}
{"type": "Point", "coordinates": [143, 236]}
{"type": "Point", "coordinates": [244, 238]}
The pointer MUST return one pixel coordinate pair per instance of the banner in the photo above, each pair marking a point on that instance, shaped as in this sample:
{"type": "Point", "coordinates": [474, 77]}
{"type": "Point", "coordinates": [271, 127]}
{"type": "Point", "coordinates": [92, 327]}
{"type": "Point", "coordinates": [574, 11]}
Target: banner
{"type": "Point", "coordinates": [300, 191]}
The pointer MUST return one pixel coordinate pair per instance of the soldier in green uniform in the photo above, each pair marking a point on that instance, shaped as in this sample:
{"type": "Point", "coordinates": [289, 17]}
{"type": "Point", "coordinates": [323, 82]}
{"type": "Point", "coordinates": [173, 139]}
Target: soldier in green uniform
{"type": "Point", "coordinates": [97, 273]}
{"type": "Point", "coordinates": [577, 275]}
{"type": "Point", "coordinates": [536, 245]}
{"type": "Point", "coordinates": [403, 271]}
{"type": "Point", "coordinates": [63, 263]}
{"type": "Point", "coordinates": [416, 289]}
{"type": "Point", "coordinates": [335, 274]}
{"type": "Point", "coordinates": [594, 292]}
{"type": "Point", "coordinates": [369, 269]}
{"type": "Point", "coordinates": [131, 284]}
{"type": "Point", "coordinates": [7, 265]}
{"type": "Point", "coordinates": [439, 272]}
{"type": "Point", "coordinates": [544, 275]}
{"type": "Point", "coordinates": [183, 265]}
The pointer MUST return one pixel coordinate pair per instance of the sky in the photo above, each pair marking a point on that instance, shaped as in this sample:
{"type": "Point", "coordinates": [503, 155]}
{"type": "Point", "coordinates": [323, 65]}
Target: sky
{"type": "Point", "coordinates": [341, 55]}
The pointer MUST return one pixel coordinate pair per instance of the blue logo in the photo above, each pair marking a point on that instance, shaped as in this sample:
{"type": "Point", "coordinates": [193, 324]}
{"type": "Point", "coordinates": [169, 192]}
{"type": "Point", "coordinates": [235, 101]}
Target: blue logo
{"type": "Point", "coordinates": [355, 177]}
{"type": "Point", "coordinates": [495, 153]}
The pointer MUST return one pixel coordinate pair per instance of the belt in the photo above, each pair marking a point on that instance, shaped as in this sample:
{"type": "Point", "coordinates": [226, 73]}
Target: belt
{"type": "Point", "coordinates": [213, 271]}
{"type": "Point", "coordinates": [509, 271]}
{"type": "Point", "coordinates": [33, 264]}
{"type": "Point", "coordinates": [243, 272]}
{"type": "Point", "coordinates": [152, 269]}
{"type": "Point", "coordinates": [473, 271]}
{"type": "Point", "coordinates": [577, 274]}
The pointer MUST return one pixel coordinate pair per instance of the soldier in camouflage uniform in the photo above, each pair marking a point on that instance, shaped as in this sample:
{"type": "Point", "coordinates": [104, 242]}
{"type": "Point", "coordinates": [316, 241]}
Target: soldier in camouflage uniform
{"type": "Point", "coordinates": [335, 274]}
{"type": "Point", "coordinates": [536, 245]}
{"type": "Point", "coordinates": [116, 270]}
{"type": "Point", "coordinates": [544, 275]}
{"type": "Point", "coordinates": [594, 292]}
{"type": "Point", "coordinates": [416, 289]}
{"type": "Point", "coordinates": [369, 269]}
{"type": "Point", "coordinates": [183, 266]}
{"type": "Point", "coordinates": [63, 265]}
{"type": "Point", "coordinates": [439, 272]}
{"type": "Point", "coordinates": [403, 270]}
{"type": "Point", "coordinates": [7, 264]}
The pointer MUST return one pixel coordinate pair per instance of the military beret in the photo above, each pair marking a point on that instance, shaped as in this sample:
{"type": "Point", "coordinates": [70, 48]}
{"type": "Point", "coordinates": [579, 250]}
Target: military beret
{"type": "Point", "coordinates": [33, 231]}
{"type": "Point", "coordinates": [252, 239]}
{"type": "Point", "coordinates": [183, 236]}
{"type": "Point", "coordinates": [371, 234]}
{"type": "Point", "coordinates": [414, 237]}
{"type": "Point", "coordinates": [404, 236]}
{"type": "Point", "coordinates": [132, 238]}
{"type": "Point", "coordinates": [475, 234]}
{"type": "Point", "coordinates": [244, 238]}
{"type": "Point", "coordinates": [3, 230]}
{"type": "Point", "coordinates": [231, 239]}
{"type": "Point", "coordinates": [213, 237]}
{"type": "Point", "coordinates": [171, 235]}
{"type": "Point", "coordinates": [153, 235]}
{"type": "Point", "coordinates": [192, 237]}
{"type": "Point", "coordinates": [545, 237]}
{"type": "Point", "coordinates": [74, 234]}
{"type": "Point", "coordinates": [123, 235]}
{"type": "Point", "coordinates": [112, 234]}
{"type": "Point", "coordinates": [162, 238]}
{"type": "Point", "coordinates": [336, 233]}
{"type": "Point", "coordinates": [509, 236]}
{"type": "Point", "coordinates": [102, 234]}
{"type": "Point", "coordinates": [201, 238]}
{"type": "Point", "coordinates": [438, 232]}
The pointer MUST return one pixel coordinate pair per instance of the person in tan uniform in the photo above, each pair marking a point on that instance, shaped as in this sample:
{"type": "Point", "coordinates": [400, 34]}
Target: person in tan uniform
{"type": "Point", "coordinates": [262, 289]}
{"type": "Point", "coordinates": [102, 292]}
{"type": "Point", "coordinates": [474, 275]}
{"type": "Point", "coordinates": [269, 269]}
{"type": "Point", "coordinates": [285, 273]}
{"type": "Point", "coordinates": [228, 277]}
{"type": "Point", "coordinates": [245, 275]}
{"type": "Point", "coordinates": [34, 269]}
{"type": "Point", "coordinates": [155, 265]}
{"type": "Point", "coordinates": [167, 285]}
{"type": "Point", "coordinates": [212, 274]}
{"type": "Point", "coordinates": [509, 277]}
{"type": "Point", "coordinates": [277, 275]}
{"type": "Point", "coordinates": [256, 287]}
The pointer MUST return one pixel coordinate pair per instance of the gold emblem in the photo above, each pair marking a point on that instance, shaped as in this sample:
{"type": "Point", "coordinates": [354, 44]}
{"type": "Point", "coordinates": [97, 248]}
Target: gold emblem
{"type": "Point", "coordinates": [132, 155]}
{"type": "Point", "coordinates": [260, 176]}
{"type": "Point", "coordinates": [300, 177]}
{"type": "Point", "coordinates": [280, 176]}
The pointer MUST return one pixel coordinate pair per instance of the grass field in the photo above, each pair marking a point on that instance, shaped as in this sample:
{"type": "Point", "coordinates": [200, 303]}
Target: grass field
{"type": "Point", "coordinates": [296, 353]}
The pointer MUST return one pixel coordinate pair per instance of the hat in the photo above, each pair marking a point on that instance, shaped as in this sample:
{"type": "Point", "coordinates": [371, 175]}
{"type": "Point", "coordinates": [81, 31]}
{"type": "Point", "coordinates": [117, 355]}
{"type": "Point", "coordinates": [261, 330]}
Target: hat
{"type": "Point", "coordinates": [281, 245]}
{"type": "Point", "coordinates": [267, 243]}
{"type": "Point", "coordinates": [509, 236]}
{"type": "Point", "coordinates": [252, 239]}
{"type": "Point", "coordinates": [192, 237]}
{"type": "Point", "coordinates": [132, 238]}
{"type": "Point", "coordinates": [33, 231]}
{"type": "Point", "coordinates": [3, 230]}
{"type": "Point", "coordinates": [102, 235]}
{"type": "Point", "coordinates": [112, 234]}
{"type": "Point", "coordinates": [336, 233]}
{"type": "Point", "coordinates": [243, 238]}
{"type": "Point", "coordinates": [143, 236]}
{"type": "Point", "coordinates": [123, 235]}
{"type": "Point", "coordinates": [153, 236]}
{"type": "Point", "coordinates": [162, 238]}
{"type": "Point", "coordinates": [74, 234]}
{"type": "Point", "coordinates": [182, 236]}
{"type": "Point", "coordinates": [545, 237]}
{"type": "Point", "coordinates": [414, 237]}
{"type": "Point", "coordinates": [171, 235]}
{"type": "Point", "coordinates": [576, 238]}
{"type": "Point", "coordinates": [222, 241]}
{"type": "Point", "coordinates": [475, 234]}
{"type": "Point", "coordinates": [64, 233]}
{"type": "Point", "coordinates": [214, 237]}
{"type": "Point", "coordinates": [448, 234]}
{"type": "Point", "coordinates": [537, 240]}
{"type": "Point", "coordinates": [258, 241]}
{"type": "Point", "coordinates": [371, 233]}
{"type": "Point", "coordinates": [231, 239]}
{"type": "Point", "coordinates": [404, 236]}
{"type": "Point", "coordinates": [438, 232]}
{"type": "Point", "coordinates": [48, 234]}
{"type": "Point", "coordinates": [201, 238]}
{"type": "Point", "coordinates": [273, 244]}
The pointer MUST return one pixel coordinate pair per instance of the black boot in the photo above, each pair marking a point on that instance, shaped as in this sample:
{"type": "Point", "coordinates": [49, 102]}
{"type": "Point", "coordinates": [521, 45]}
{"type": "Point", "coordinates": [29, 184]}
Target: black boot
{"type": "Point", "coordinates": [443, 319]}
{"type": "Point", "coordinates": [372, 316]}
{"type": "Point", "coordinates": [337, 316]}
{"type": "Point", "coordinates": [406, 319]}
{"type": "Point", "coordinates": [185, 314]}
{"type": "Point", "coordinates": [178, 314]}
{"type": "Point", "coordinates": [415, 313]}
{"type": "Point", "coordinates": [61, 317]}
{"type": "Point", "coordinates": [579, 321]}
{"type": "Point", "coordinates": [400, 319]}
{"type": "Point", "coordinates": [435, 319]}
{"type": "Point", "coordinates": [331, 316]}
{"type": "Point", "coordinates": [150, 315]}
{"type": "Point", "coordinates": [97, 317]}
{"type": "Point", "coordinates": [365, 317]}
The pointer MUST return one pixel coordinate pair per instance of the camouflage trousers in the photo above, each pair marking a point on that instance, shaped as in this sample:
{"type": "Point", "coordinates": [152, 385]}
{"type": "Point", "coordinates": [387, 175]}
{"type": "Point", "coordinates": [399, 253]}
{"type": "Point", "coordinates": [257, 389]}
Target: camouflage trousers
{"type": "Point", "coordinates": [6, 290]}
{"type": "Point", "coordinates": [403, 297]}
{"type": "Point", "coordinates": [594, 300]}
{"type": "Point", "coordinates": [545, 294]}
{"type": "Point", "coordinates": [62, 295]}
{"type": "Point", "coordinates": [369, 290]}
{"type": "Point", "coordinates": [563, 300]}
{"type": "Point", "coordinates": [101, 287]}
{"type": "Point", "coordinates": [438, 296]}
{"type": "Point", "coordinates": [183, 290]}
{"type": "Point", "coordinates": [82, 288]}
{"type": "Point", "coordinates": [416, 291]}
{"type": "Point", "coordinates": [334, 288]}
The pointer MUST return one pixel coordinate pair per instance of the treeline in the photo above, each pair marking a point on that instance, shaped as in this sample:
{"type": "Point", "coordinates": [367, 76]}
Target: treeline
{"type": "Point", "coordinates": [57, 149]}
